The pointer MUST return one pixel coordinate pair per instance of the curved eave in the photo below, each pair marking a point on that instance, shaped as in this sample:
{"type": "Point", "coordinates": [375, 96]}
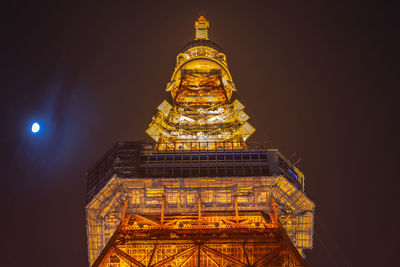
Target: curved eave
{"type": "Point", "coordinates": [202, 42]}
{"type": "Point", "coordinates": [177, 68]}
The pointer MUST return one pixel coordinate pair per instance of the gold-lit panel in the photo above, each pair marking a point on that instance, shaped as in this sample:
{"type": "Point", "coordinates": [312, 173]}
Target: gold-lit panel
{"type": "Point", "coordinates": [216, 239]}
{"type": "Point", "coordinates": [201, 110]}
{"type": "Point", "coordinates": [181, 196]}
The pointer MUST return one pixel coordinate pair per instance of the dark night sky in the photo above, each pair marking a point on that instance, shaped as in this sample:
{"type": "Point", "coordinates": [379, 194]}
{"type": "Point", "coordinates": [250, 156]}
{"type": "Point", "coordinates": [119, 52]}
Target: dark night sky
{"type": "Point", "coordinates": [317, 78]}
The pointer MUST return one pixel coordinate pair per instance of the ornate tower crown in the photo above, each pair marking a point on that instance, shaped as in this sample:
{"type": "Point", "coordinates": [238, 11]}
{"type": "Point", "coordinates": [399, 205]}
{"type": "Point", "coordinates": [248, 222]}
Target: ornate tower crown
{"type": "Point", "coordinates": [202, 115]}
{"type": "Point", "coordinates": [201, 26]}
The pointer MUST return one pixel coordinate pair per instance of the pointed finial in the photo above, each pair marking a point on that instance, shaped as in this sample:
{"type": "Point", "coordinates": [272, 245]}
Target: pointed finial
{"type": "Point", "coordinates": [201, 26]}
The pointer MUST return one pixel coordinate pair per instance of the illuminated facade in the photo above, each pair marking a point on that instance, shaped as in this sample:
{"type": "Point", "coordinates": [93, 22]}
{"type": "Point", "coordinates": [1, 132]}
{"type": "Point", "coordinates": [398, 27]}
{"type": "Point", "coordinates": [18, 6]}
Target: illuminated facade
{"type": "Point", "coordinates": [201, 195]}
{"type": "Point", "coordinates": [202, 115]}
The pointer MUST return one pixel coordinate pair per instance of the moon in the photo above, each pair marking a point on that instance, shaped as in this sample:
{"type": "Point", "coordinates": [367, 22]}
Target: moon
{"type": "Point", "coordinates": [35, 127]}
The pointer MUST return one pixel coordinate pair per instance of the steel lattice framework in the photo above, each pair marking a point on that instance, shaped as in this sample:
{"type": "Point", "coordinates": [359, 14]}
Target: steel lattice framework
{"type": "Point", "coordinates": [210, 239]}
{"type": "Point", "coordinates": [201, 195]}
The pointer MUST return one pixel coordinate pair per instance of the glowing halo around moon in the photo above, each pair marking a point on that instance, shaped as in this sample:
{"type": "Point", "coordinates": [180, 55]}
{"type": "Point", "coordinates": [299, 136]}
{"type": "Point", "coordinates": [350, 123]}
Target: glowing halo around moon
{"type": "Point", "coordinates": [35, 127]}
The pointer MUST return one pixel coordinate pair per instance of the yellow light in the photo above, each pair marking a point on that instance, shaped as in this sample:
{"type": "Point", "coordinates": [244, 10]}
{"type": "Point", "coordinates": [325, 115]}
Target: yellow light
{"type": "Point", "coordinates": [201, 88]}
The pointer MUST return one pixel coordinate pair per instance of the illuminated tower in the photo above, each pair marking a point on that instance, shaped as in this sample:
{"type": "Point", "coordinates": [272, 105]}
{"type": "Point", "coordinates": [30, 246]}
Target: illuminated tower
{"type": "Point", "coordinates": [202, 113]}
{"type": "Point", "coordinates": [201, 195]}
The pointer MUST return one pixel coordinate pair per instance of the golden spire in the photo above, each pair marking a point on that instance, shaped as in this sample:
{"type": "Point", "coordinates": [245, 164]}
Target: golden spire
{"type": "Point", "coordinates": [201, 26]}
{"type": "Point", "coordinates": [202, 115]}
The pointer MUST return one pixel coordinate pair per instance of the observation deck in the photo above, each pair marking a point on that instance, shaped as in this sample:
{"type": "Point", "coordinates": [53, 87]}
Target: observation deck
{"type": "Point", "coordinates": [174, 181]}
{"type": "Point", "coordinates": [143, 160]}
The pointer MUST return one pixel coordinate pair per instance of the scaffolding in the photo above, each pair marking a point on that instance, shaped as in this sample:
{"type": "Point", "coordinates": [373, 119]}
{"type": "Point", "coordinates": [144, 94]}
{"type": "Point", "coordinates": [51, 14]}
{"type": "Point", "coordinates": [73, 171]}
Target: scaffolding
{"type": "Point", "coordinates": [146, 160]}
{"type": "Point", "coordinates": [181, 196]}
{"type": "Point", "coordinates": [203, 239]}
{"type": "Point", "coordinates": [202, 195]}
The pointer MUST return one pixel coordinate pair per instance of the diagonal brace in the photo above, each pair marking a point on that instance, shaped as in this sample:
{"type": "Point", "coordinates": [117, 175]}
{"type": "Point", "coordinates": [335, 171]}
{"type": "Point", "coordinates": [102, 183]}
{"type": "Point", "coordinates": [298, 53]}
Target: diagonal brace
{"type": "Point", "coordinates": [127, 257]}
{"type": "Point", "coordinates": [269, 256]}
{"type": "Point", "coordinates": [172, 257]}
{"type": "Point", "coordinates": [222, 255]}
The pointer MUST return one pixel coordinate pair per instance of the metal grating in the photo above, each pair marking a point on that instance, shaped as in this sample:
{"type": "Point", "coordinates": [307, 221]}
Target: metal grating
{"type": "Point", "coordinates": [143, 160]}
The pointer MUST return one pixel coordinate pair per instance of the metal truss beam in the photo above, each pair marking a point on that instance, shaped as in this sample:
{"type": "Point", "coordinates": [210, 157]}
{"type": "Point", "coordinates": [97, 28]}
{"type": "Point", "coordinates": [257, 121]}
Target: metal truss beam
{"type": "Point", "coordinates": [126, 257]}
{"type": "Point", "coordinates": [173, 257]}
{"type": "Point", "coordinates": [264, 260]}
{"type": "Point", "coordinates": [210, 258]}
{"type": "Point", "coordinates": [152, 255]}
{"type": "Point", "coordinates": [153, 245]}
{"type": "Point", "coordinates": [222, 255]}
{"type": "Point", "coordinates": [188, 258]}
